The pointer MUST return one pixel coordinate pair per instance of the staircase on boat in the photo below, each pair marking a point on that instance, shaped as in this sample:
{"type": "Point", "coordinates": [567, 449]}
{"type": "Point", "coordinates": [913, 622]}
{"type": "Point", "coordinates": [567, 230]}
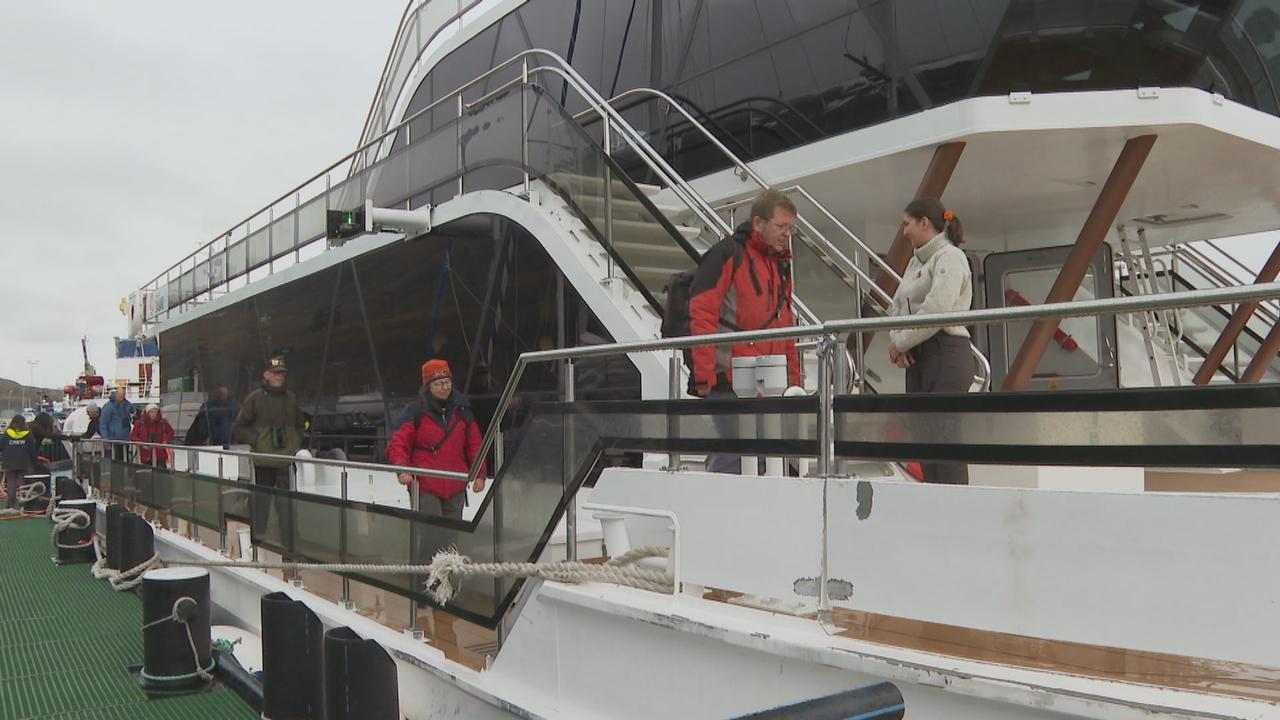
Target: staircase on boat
{"type": "Point", "coordinates": [1182, 339]}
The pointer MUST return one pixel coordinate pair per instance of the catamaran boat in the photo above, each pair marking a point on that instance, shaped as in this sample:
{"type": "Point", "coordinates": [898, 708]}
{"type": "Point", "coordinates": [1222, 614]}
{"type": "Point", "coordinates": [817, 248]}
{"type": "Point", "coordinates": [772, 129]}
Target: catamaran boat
{"type": "Point", "coordinates": [529, 177]}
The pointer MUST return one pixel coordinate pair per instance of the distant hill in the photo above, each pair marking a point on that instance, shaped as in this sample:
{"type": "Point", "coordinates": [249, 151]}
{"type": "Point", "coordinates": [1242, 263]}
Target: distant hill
{"type": "Point", "coordinates": [11, 394]}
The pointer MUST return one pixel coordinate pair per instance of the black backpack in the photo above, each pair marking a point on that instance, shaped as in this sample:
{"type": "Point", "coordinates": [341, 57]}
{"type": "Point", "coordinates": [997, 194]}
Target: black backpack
{"type": "Point", "coordinates": [675, 316]}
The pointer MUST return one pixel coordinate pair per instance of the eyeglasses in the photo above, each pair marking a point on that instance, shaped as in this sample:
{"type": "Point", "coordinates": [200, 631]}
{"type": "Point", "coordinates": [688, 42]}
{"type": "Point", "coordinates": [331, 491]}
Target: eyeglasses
{"type": "Point", "coordinates": [782, 227]}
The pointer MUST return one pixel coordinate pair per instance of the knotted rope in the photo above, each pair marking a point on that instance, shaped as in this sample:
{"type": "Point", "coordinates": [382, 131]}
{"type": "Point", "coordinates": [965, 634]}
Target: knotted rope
{"type": "Point", "coordinates": [69, 519]}
{"type": "Point", "coordinates": [119, 579]}
{"type": "Point", "coordinates": [448, 569]}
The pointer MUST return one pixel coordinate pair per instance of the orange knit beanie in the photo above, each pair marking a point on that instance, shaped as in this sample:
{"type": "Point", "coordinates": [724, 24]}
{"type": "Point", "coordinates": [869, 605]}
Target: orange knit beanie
{"type": "Point", "coordinates": [434, 370]}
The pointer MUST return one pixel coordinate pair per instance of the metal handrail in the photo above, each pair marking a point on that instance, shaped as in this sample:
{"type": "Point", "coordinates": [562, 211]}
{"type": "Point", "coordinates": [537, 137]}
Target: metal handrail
{"type": "Point", "coordinates": [695, 202]}
{"type": "Point", "coordinates": [1229, 256]}
{"type": "Point", "coordinates": [348, 464]}
{"type": "Point", "coordinates": [828, 248]}
{"type": "Point", "coordinates": [386, 66]}
{"type": "Point", "coordinates": [1080, 308]}
{"type": "Point", "coordinates": [1107, 306]}
{"type": "Point", "coordinates": [383, 88]}
{"type": "Point", "coordinates": [1214, 271]}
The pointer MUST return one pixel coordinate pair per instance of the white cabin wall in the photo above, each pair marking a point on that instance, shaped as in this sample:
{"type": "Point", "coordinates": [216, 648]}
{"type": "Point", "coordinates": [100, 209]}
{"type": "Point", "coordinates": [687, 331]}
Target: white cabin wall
{"type": "Point", "coordinates": [1109, 568]}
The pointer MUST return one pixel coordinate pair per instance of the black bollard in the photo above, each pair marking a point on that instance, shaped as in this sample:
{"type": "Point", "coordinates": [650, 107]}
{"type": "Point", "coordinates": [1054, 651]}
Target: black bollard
{"type": "Point", "coordinates": [68, 488]}
{"type": "Point", "coordinates": [137, 541]}
{"type": "Point", "coordinates": [41, 502]}
{"type": "Point", "coordinates": [359, 678]}
{"type": "Point", "coordinates": [292, 664]}
{"type": "Point", "coordinates": [75, 544]}
{"type": "Point", "coordinates": [175, 617]}
{"type": "Point", "coordinates": [114, 541]}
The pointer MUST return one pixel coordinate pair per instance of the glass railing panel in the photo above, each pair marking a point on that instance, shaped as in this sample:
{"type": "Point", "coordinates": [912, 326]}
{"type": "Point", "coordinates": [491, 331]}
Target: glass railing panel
{"type": "Point", "coordinates": [821, 287]}
{"type": "Point", "coordinates": [186, 285]}
{"type": "Point", "coordinates": [316, 528]}
{"type": "Point", "coordinates": [388, 181]}
{"type": "Point", "coordinates": [206, 501]}
{"type": "Point", "coordinates": [568, 159]}
{"type": "Point", "coordinates": [311, 220]}
{"type": "Point", "coordinates": [348, 194]}
{"type": "Point", "coordinates": [553, 448]}
{"type": "Point", "coordinates": [237, 259]}
{"type": "Point", "coordinates": [172, 294]}
{"type": "Point", "coordinates": [282, 235]}
{"type": "Point", "coordinates": [488, 138]}
{"type": "Point", "coordinates": [181, 499]}
{"type": "Point", "coordinates": [259, 247]}
{"type": "Point", "coordinates": [218, 268]}
{"type": "Point", "coordinates": [202, 277]}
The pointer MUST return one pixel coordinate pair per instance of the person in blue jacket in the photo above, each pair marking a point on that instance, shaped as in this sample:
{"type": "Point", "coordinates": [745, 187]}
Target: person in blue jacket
{"type": "Point", "coordinates": [18, 456]}
{"type": "Point", "coordinates": [116, 422]}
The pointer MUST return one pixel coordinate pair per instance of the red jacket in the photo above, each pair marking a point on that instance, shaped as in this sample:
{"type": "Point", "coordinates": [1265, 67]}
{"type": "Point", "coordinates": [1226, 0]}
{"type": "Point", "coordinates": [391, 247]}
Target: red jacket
{"type": "Point", "coordinates": [159, 431]}
{"type": "Point", "coordinates": [741, 284]}
{"type": "Point", "coordinates": [453, 434]}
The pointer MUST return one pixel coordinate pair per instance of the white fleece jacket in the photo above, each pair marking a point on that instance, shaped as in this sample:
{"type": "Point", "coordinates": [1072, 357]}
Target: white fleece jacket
{"type": "Point", "coordinates": [936, 280]}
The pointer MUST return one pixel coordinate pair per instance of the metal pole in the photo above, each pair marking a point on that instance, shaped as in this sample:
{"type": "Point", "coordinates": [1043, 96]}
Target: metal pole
{"type": "Point", "coordinates": [840, 356]}
{"type": "Point", "coordinates": [327, 188]}
{"type": "Point", "coordinates": [608, 198]}
{"type": "Point", "coordinates": [524, 123]}
{"type": "Point", "coordinates": [458, 139]}
{"type": "Point", "coordinates": [345, 600]}
{"type": "Point", "coordinates": [271, 241]}
{"type": "Point", "coordinates": [571, 511]}
{"type": "Point", "coordinates": [826, 445]}
{"type": "Point", "coordinates": [297, 227]}
{"type": "Point", "coordinates": [673, 393]}
{"type": "Point", "coordinates": [222, 523]}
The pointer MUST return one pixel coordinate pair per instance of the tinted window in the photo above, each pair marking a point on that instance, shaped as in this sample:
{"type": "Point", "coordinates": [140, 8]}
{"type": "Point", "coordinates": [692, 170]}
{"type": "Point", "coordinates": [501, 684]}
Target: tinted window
{"type": "Point", "coordinates": [767, 76]}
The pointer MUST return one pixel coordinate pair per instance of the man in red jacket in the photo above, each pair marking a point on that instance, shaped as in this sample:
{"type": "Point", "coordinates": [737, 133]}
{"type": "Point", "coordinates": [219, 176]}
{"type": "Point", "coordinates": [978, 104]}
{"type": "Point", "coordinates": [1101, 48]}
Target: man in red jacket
{"type": "Point", "coordinates": [438, 432]}
{"type": "Point", "coordinates": [744, 283]}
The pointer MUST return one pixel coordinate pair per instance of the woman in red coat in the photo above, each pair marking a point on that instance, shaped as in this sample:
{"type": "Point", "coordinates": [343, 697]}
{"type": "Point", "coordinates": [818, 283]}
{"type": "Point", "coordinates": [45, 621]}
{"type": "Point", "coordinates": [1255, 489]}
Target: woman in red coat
{"type": "Point", "coordinates": [152, 428]}
{"type": "Point", "coordinates": [437, 432]}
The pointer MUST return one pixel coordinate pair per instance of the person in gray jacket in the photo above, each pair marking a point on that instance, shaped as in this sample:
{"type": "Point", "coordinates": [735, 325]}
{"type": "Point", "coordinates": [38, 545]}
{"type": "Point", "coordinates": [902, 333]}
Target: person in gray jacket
{"type": "Point", "coordinates": [936, 280]}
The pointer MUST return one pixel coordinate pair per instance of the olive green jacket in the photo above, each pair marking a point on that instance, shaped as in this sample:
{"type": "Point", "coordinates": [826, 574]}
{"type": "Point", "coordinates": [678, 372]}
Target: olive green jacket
{"type": "Point", "coordinates": [270, 421]}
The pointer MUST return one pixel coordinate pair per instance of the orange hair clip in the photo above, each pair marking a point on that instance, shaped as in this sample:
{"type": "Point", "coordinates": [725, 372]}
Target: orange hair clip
{"type": "Point", "coordinates": [948, 216]}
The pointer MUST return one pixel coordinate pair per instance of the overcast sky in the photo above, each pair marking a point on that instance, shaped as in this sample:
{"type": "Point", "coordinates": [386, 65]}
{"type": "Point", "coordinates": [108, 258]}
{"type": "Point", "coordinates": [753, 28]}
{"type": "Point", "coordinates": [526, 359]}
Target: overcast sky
{"type": "Point", "coordinates": [133, 131]}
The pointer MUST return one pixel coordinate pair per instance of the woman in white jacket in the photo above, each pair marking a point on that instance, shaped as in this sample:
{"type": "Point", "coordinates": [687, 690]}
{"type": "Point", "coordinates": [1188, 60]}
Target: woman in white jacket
{"type": "Point", "coordinates": [936, 280]}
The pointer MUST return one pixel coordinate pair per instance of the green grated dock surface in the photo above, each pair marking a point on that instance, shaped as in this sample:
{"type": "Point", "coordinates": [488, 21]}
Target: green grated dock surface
{"type": "Point", "coordinates": [66, 639]}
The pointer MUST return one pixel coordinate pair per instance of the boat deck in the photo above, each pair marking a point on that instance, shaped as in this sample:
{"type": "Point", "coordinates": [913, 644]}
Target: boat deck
{"type": "Point", "coordinates": [66, 640]}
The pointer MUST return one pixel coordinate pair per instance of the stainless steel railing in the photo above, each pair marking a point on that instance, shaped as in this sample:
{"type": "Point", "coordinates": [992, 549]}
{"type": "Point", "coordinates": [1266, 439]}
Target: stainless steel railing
{"type": "Point", "coordinates": [852, 274]}
{"type": "Point", "coordinates": [344, 465]}
{"type": "Point", "coordinates": [616, 126]}
{"type": "Point", "coordinates": [825, 333]}
{"type": "Point", "coordinates": [827, 330]}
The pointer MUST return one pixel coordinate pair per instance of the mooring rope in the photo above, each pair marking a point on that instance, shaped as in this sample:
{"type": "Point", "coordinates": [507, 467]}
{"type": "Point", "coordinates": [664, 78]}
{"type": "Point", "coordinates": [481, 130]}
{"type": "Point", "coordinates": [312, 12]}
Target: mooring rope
{"type": "Point", "coordinates": [119, 579]}
{"type": "Point", "coordinates": [448, 569]}
{"type": "Point", "coordinates": [69, 519]}
{"type": "Point", "coordinates": [181, 613]}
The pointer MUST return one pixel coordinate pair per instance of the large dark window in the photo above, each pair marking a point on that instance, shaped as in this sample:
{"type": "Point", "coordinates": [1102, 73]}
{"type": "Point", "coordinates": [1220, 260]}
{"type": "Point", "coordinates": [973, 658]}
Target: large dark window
{"type": "Point", "coordinates": [356, 334]}
{"type": "Point", "coordinates": [766, 75]}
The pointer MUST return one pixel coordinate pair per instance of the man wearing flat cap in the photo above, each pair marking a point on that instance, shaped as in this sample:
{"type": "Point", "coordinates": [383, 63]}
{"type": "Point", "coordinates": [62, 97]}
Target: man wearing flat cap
{"type": "Point", "coordinates": [271, 422]}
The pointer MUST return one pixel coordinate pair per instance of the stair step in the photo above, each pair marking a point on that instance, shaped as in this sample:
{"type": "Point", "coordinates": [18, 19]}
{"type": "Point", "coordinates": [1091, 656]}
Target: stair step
{"type": "Point", "coordinates": [642, 253]}
{"type": "Point", "coordinates": [648, 232]}
{"type": "Point", "coordinates": [582, 186]}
